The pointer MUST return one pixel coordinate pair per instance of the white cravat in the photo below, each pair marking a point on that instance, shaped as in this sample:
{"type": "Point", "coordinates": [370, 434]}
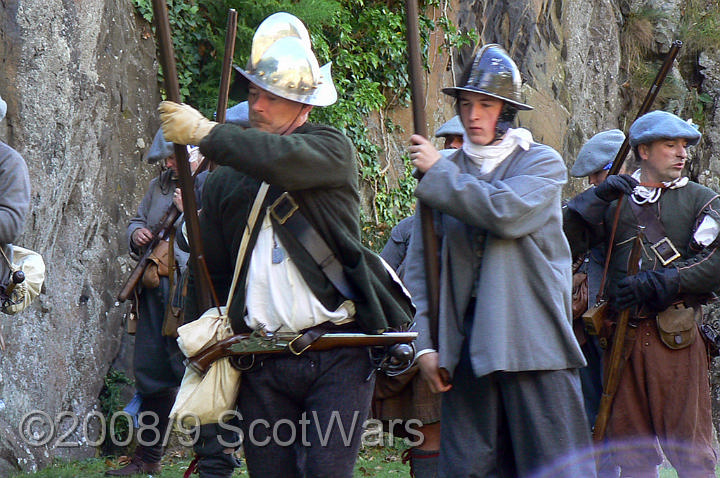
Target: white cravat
{"type": "Point", "coordinates": [648, 194]}
{"type": "Point", "coordinates": [488, 158]}
{"type": "Point", "coordinates": [707, 231]}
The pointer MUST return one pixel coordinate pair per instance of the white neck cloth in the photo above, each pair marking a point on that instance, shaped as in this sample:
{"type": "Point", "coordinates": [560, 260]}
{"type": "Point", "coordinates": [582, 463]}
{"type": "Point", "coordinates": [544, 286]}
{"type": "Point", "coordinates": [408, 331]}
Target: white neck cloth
{"type": "Point", "coordinates": [488, 158]}
{"type": "Point", "coordinates": [646, 194]}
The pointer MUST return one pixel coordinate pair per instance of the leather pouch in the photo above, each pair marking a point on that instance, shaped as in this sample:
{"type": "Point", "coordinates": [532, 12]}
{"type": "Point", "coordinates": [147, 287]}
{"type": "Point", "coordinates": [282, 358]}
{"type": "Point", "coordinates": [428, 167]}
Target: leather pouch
{"type": "Point", "coordinates": [579, 294]}
{"type": "Point", "coordinates": [677, 326]}
{"type": "Point", "coordinates": [158, 265]}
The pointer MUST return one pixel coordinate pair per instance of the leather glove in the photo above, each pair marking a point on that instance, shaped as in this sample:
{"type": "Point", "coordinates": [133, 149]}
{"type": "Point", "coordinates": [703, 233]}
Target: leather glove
{"type": "Point", "coordinates": [183, 124]}
{"type": "Point", "coordinates": [615, 186]}
{"type": "Point", "coordinates": [656, 289]}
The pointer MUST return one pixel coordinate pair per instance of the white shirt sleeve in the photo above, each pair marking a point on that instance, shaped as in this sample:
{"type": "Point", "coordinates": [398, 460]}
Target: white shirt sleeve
{"type": "Point", "coordinates": [707, 232]}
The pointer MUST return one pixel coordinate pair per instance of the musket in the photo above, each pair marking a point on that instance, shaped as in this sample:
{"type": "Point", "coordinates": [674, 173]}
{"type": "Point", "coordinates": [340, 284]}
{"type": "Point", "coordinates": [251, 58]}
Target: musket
{"type": "Point", "coordinates": [599, 309]}
{"type": "Point", "coordinates": [205, 293]}
{"type": "Point", "coordinates": [159, 234]}
{"type": "Point", "coordinates": [617, 359]}
{"type": "Point", "coordinates": [230, 32]}
{"type": "Point", "coordinates": [647, 103]}
{"type": "Point", "coordinates": [224, 89]}
{"type": "Point", "coordinates": [272, 343]}
{"type": "Point", "coordinates": [429, 238]}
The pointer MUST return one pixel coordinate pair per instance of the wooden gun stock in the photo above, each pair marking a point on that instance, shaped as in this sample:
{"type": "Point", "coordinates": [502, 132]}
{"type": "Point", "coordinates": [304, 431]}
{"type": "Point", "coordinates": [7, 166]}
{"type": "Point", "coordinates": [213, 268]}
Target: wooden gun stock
{"type": "Point", "coordinates": [168, 220]}
{"type": "Point", "coordinates": [134, 277]}
{"type": "Point", "coordinates": [224, 348]}
{"type": "Point", "coordinates": [616, 362]}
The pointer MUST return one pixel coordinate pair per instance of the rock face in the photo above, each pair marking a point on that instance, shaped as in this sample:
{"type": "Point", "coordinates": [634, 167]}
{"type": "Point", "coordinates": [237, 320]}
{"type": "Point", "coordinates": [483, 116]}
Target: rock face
{"type": "Point", "coordinates": [81, 88]}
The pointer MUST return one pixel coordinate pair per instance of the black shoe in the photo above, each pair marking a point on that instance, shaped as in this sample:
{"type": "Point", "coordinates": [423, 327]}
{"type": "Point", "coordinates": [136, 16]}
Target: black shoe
{"type": "Point", "coordinates": [136, 467]}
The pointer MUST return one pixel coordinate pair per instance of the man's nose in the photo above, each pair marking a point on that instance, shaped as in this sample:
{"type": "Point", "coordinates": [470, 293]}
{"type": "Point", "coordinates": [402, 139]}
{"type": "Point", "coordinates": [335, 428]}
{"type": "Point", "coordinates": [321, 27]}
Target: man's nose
{"type": "Point", "coordinates": [260, 103]}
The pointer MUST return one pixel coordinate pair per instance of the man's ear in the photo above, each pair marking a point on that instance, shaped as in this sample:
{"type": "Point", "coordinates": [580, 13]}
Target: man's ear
{"type": "Point", "coordinates": [305, 112]}
{"type": "Point", "coordinates": [643, 151]}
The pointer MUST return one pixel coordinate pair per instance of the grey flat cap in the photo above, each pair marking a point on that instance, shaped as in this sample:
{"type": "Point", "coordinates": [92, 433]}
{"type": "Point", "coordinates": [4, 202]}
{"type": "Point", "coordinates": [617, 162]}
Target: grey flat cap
{"type": "Point", "coordinates": [238, 115]}
{"type": "Point", "coordinates": [452, 127]}
{"type": "Point", "coordinates": [599, 150]}
{"type": "Point", "coordinates": [3, 109]}
{"type": "Point", "coordinates": [662, 125]}
{"type": "Point", "coordinates": [160, 149]}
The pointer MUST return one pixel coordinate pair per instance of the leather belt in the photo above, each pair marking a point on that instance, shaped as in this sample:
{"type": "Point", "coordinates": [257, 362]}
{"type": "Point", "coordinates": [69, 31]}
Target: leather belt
{"type": "Point", "coordinates": [306, 337]}
{"type": "Point", "coordinates": [654, 231]}
{"type": "Point", "coordinates": [287, 214]}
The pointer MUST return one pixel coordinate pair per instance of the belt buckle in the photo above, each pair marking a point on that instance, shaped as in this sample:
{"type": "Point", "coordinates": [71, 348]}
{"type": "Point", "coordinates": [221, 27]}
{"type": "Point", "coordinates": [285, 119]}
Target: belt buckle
{"type": "Point", "coordinates": [278, 202]}
{"type": "Point", "coordinates": [292, 350]}
{"type": "Point", "coordinates": [665, 243]}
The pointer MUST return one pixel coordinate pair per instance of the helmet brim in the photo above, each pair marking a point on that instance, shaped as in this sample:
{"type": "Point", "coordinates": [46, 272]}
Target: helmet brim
{"type": "Point", "coordinates": [324, 94]}
{"type": "Point", "coordinates": [454, 91]}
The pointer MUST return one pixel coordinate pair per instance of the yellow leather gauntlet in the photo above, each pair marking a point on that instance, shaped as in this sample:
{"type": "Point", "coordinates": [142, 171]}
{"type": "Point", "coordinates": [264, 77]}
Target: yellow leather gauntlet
{"type": "Point", "coordinates": [183, 124]}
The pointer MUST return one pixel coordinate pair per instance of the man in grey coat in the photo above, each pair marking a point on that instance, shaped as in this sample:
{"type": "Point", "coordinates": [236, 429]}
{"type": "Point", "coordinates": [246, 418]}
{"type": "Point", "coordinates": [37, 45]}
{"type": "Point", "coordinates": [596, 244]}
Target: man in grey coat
{"type": "Point", "coordinates": [507, 358]}
{"type": "Point", "coordinates": [14, 200]}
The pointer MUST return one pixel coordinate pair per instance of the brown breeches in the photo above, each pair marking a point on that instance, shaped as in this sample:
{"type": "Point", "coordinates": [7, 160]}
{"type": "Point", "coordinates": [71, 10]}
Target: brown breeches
{"type": "Point", "coordinates": [663, 393]}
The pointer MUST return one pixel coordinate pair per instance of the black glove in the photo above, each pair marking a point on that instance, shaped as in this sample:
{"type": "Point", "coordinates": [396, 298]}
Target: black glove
{"type": "Point", "coordinates": [656, 289]}
{"type": "Point", "coordinates": [615, 186]}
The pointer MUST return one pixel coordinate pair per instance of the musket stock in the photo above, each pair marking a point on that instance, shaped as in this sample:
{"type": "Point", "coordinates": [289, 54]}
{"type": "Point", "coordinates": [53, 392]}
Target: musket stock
{"type": "Point", "coordinates": [159, 234]}
{"type": "Point", "coordinates": [282, 343]}
{"type": "Point", "coordinates": [616, 362]}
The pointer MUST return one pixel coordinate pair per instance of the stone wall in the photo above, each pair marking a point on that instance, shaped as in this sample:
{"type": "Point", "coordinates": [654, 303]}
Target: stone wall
{"type": "Point", "coordinates": [81, 87]}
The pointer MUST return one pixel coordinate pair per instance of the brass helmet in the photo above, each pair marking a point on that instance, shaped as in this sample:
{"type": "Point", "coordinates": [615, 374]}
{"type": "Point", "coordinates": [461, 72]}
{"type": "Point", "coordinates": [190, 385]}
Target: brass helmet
{"type": "Point", "coordinates": [283, 63]}
{"type": "Point", "coordinates": [493, 73]}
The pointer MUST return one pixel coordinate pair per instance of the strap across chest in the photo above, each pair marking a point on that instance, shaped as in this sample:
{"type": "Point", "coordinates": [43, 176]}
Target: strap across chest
{"type": "Point", "coordinates": [654, 230]}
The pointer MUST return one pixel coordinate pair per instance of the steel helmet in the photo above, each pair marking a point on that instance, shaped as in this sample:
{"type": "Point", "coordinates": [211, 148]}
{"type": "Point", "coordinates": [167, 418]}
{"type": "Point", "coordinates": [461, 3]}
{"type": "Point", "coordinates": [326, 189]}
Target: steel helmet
{"type": "Point", "coordinates": [283, 63]}
{"type": "Point", "coordinates": [492, 72]}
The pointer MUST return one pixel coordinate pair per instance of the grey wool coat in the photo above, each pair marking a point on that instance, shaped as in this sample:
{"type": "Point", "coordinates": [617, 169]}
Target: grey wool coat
{"type": "Point", "coordinates": [14, 202]}
{"type": "Point", "coordinates": [501, 240]}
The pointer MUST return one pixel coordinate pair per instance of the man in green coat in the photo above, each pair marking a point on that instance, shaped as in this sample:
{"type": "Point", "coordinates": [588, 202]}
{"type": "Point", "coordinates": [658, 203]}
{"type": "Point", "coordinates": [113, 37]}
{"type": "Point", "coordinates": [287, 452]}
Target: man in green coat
{"type": "Point", "coordinates": [301, 415]}
{"type": "Point", "coordinates": [663, 391]}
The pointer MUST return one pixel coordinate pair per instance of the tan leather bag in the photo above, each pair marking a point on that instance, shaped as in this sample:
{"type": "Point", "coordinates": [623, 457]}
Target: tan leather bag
{"type": "Point", "coordinates": [579, 294]}
{"type": "Point", "coordinates": [677, 325]}
{"type": "Point", "coordinates": [158, 265]}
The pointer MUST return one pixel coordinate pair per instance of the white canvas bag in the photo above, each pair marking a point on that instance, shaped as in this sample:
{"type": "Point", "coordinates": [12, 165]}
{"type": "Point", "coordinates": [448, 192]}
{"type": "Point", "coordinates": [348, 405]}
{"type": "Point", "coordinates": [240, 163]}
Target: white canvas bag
{"type": "Point", "coordinates": [204, 399]}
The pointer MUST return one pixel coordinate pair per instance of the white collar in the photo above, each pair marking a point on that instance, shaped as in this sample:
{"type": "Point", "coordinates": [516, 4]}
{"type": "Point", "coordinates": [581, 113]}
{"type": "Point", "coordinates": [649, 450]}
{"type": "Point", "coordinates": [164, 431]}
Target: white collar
{"type": "Point", "coordinates": [647, 194]}
{"type": "Point", "coordinates": [488, 158]}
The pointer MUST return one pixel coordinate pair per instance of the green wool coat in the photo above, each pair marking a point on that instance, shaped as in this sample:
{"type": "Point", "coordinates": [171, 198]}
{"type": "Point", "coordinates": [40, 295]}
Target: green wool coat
{"type": "Point", "coordinates": [316, 164]}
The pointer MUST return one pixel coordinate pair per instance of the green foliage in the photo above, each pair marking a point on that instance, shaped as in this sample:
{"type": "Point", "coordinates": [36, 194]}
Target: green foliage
{"type": "Point", "coordinates": [365, 40]}
{"type": "Point", "coordinates": [700, 104]}
{"type": "Point", "coordinates": [700, 26]}
{"type": "Point", "coordinates": [376, 461]}
{"type": "Point", "coordinates": [111, 401]}
{"type": "Point", "coordinates": [643, 77]}
{"type": "Point", "coordinates": [456, 39]}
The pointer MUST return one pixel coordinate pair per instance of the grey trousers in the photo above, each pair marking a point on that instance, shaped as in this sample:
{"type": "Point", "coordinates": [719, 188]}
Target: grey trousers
{"type": "Point", "coordinates": [525, 424]}
{"type": "Point", "coordinates": [158, 362]}
{"type": "Point", "coordinates": [303, 416]}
